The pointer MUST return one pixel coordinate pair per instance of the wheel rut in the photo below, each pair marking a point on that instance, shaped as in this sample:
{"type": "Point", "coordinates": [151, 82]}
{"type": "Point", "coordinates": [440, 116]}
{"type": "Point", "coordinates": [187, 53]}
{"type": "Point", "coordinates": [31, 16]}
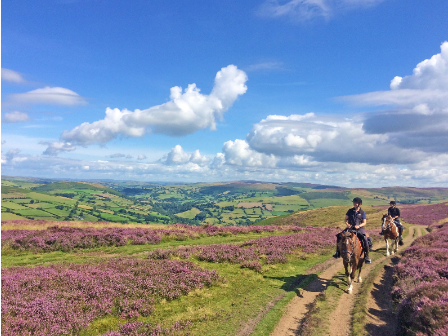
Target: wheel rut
{"type": "Point", "coordinates": [340, 319]}
{"type": "Point", "coordinates": [381, 319]}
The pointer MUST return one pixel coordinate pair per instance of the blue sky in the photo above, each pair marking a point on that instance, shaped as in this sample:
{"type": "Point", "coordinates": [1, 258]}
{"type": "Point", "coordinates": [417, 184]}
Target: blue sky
{"type": "Point", "coordinates": [304, 91]}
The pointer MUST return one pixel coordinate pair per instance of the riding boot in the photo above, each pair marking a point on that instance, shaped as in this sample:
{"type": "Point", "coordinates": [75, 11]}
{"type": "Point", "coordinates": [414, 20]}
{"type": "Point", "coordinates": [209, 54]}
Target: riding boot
{"type": "Point", "coordinates": [337, 254]}
{"type": "Point", "coordinates": [366, 257]}
{"type": "Point", "coordinates": [400, 238]}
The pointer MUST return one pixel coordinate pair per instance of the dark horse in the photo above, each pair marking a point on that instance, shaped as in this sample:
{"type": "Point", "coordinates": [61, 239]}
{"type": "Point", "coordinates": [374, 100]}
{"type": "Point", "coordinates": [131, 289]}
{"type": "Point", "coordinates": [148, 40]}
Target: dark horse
{"type": "Point", "coordinates": [390, 231]}
{"type": "Point", "coordinates": [352, 254]}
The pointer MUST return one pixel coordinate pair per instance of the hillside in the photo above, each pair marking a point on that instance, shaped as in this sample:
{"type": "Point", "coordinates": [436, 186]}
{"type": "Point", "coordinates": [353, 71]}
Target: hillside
{"type": "Point", "coordinates": [226, 203]}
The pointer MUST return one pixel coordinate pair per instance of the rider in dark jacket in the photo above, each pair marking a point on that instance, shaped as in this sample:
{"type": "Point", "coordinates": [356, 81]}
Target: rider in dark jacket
{"type": "Point", "coordinates": [356, 219]}
{"type": "Point", "coordinates": [394, 212]}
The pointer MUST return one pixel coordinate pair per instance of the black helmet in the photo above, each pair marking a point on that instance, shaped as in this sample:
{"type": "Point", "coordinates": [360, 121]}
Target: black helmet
{"type": "Point", "coordinates": [392, 203]}
{"type": "Point", "coordinates": [357, 200]}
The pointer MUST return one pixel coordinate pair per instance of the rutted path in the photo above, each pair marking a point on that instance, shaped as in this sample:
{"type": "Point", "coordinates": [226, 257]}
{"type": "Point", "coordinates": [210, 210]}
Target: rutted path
{"type": "Point", "coordinates": [340, 319]}
{"type": "Point", "coordinates": [380, 319]}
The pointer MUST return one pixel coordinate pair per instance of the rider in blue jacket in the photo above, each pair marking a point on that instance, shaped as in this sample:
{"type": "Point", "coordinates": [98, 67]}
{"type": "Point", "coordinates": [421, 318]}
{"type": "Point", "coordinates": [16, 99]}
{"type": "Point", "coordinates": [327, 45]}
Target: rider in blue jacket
{"type": "Point", "coordinates": [356, 219]}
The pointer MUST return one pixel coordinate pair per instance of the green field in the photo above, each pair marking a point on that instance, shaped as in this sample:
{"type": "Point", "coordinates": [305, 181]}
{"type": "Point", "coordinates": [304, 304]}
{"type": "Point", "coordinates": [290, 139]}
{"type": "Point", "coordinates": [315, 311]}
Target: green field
{"type": "Point", "coordinates": [11, 216]}
{"type": "Point", "coordinates": [189, 213]}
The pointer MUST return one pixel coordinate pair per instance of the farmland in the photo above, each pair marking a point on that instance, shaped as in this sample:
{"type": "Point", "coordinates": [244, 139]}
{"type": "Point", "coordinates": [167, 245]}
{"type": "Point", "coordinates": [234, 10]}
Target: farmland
{"type": "Point", "coordinates": [154, 278]}
{"type": "Point", "coordinates": [232, 203]}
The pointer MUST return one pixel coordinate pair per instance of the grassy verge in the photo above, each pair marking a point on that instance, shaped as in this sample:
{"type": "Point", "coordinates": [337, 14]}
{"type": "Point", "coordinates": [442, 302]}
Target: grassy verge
{"type": "Point", "coordinates": [270, 320]}
{"type": "Point", "coordinates": [225, 308]}
{"type": "Point", "coordinates": [360, 307]}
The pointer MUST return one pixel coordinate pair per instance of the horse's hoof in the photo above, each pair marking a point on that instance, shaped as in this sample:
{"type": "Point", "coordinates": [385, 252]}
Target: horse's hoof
{"type": "Point", "coordinates": [359, 280]}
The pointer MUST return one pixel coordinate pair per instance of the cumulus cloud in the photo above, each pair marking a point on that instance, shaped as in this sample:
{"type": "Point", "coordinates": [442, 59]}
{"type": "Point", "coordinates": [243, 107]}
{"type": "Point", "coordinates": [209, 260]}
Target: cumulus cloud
{"type": "Point", "coordinates": [324, 139]}
{"type": "Point", "coordinates": [12, 76]}
{"type": "Point", "coordinates": [15, 117]}
{"type": "Point", "coordinates": [239, 153]}
{"type": "Point", "coordinates": [141, 157]}
{"type": "Point", "coordinates": [423, 91]}
{"type": "Point", "coordinates": [303, 10]}
{"type": "Point", "coordinates": [185, 113]}
{"type": "Point", "coordinates": [48, 95]}
{"type": "Point", "coordinates": [177, 156]}
{"type": "Point", "coordinates": [409, 138]}
{"type": "Point", "coordinates": [56, 147]}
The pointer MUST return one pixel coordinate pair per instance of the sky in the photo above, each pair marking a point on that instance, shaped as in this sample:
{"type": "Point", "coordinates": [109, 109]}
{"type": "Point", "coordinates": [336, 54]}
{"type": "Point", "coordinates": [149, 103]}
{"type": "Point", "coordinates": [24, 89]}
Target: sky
{"type": "Point", "coordinates": [351, 93]}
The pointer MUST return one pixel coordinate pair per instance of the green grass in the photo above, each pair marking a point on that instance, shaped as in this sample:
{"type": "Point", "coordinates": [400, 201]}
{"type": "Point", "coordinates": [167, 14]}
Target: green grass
{"type": "Point", "coordinates": [57, 212]}
{"type": "Point", "coordinates": [189, 214]}
{"type": "Point", "coordinates": [13, 206]}
{"type": "Point", "coordinates": [43, 205]}
{"type": "Point", "coordinates": [11, 216]}
{"type": "Point", "coordinates": [50, 198]}
{"type": "Point", "coordinates": [224, 308]}
{"type": "Point", "coordinates": [33, 212]}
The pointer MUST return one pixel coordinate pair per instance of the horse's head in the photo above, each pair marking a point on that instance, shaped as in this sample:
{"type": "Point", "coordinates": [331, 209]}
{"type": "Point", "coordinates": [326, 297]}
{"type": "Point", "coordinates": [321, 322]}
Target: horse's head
{"type": "Point", "coordinates": [386, 220]}
{"type": "Point", "coordinates": [348, 245]}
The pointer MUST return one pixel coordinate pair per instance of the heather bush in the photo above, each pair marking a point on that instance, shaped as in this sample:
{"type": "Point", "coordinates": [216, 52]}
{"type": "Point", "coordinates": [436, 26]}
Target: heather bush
{"type": "Point", "coordinates": [66, 238]}
{"type": "Point", "coordinates": [63, 299]}
{"type": "Point", "coordinates": [424, 214]}
{"type": "Point", "coordinates": [270, 250]}
{"type": "Point", "coordinates": [421, 285]}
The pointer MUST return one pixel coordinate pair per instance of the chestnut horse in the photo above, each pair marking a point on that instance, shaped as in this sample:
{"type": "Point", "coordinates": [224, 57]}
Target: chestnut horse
{"type": "Point", "coordinates": [351, 251]}
{"type": "Point", "coordinates": [390, 231]}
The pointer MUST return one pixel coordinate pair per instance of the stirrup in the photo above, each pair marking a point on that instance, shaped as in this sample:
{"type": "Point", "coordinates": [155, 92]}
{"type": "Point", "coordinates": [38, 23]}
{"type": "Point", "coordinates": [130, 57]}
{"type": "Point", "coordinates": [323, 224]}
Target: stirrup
{"type": "Point", "coordinates": [367, 260]}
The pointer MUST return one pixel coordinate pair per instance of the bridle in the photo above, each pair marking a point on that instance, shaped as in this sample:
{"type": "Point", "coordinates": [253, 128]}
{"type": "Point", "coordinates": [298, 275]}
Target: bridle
{"type": "Point", "coordinates": [345, 252]}
{"type": "Point", "coordinates": [389, 222]}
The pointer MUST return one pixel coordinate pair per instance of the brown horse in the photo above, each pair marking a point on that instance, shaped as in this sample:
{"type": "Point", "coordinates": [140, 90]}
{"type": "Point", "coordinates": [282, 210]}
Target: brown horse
{"type": "Point", "coordinates": [390, 231]}
{"type": "Point", "coordinates": [351, 251]}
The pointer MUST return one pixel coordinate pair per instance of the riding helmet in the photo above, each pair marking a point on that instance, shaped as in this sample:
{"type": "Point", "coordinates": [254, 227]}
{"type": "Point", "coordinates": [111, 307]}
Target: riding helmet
{"type": "Point", "coordinates": [392, 203]}
{"type": "Point", "coordinates": [357, 200]}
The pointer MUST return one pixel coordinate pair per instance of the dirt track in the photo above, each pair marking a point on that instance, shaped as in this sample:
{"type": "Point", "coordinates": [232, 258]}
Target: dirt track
{"type": "Point", "coordinates": [340, 319]}
{"type": "Point", "coordinates": [381, 320]}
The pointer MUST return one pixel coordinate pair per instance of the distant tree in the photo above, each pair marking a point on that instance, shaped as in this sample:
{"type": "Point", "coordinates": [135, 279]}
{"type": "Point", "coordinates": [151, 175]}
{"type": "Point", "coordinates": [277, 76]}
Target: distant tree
{"type": "Point", "coordinates": [32, 201]}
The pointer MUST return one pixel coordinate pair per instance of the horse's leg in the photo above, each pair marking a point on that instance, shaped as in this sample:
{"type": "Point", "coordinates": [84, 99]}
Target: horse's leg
{"type": "Point", "coordinates": [387, 246]}
{"type": "Point", "coordinates": [396, 244]}
{"type": "Point", "coordinates": [352, 276]}
{"type": "Point", "coordinates": [359, 272]}
{"type": "Point", "coordinates": [347, 274]}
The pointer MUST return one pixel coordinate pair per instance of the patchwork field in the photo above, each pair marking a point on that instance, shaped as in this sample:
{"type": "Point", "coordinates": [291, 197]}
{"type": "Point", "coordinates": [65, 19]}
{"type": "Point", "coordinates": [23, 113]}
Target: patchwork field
{"type": "Point", "coordinates": [159, 279]}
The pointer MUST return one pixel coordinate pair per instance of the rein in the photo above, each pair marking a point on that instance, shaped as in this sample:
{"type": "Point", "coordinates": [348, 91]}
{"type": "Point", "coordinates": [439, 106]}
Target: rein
{"type": "Point", "coordinates": [352, 245]}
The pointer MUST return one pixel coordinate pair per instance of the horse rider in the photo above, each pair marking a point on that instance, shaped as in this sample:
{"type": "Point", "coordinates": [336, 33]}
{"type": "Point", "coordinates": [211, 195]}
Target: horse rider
{"type": "Point", "coordinates": [356, 219]}
{"type": "Point", "coordinates": [394, 212]}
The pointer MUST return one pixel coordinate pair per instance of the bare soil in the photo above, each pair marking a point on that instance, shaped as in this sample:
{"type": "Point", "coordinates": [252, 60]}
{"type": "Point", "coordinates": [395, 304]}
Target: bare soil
{"type": "Point", "coordinates": [381, 318]}
{"type": "Point", "coordinates": [340, 319]}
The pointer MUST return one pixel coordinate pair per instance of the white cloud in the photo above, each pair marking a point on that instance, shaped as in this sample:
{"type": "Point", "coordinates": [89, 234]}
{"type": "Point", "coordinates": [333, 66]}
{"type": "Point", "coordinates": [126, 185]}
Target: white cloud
{"type": "Point", "coordinates": [141, 157]}
{"type": "Point", "coordinates": [239, 153]}
{"type": "Point", "coordinates": [48, 95]}
{"type": "Point", "coordinates": [265, 66]}
{"type": "Point", "coordinates": [431, 74]}
{"type": "Point", "coordinates": [426, 88]}
{"type": "Point", "coordinates": [117, 156]}
{"type": "Point", "coordinates": [56, 147]}
{"type": "Point", "coordinates": [304, 10]}
{"type": "Point", "coordinates": [15, 117]}
{"type": "Point", "coordinates": [185, 113]}
{"type": "Point", "coordinates": [12, 76]}
{"type": "Point", "coordinates": [177, 156]}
